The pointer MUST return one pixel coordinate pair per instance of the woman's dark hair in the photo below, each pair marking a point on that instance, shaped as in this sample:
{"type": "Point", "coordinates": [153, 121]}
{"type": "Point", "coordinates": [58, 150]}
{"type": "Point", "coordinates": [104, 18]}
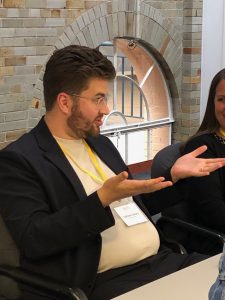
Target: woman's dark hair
{"type": "Point", "coordinates": [70, 69]}
{"type": "Point", "coordinates": [209, 123]}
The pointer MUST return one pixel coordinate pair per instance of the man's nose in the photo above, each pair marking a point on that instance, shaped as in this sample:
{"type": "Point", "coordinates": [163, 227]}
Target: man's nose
{"type": "Point", "coordinates": [104, 109]}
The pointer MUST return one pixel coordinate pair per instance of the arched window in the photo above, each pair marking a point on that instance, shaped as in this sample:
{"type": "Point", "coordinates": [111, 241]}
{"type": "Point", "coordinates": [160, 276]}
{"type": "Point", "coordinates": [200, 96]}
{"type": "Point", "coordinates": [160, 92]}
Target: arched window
{"type": "Point", "coordinates": [140, 120]}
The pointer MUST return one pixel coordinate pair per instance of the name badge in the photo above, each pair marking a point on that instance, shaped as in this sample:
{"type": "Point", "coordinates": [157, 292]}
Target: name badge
{"type": "Point", "coordinates": [131, 214]}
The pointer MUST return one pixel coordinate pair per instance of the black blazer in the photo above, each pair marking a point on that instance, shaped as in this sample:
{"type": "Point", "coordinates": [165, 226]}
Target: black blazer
{"type": "Point", "coordinates": [55, 225]}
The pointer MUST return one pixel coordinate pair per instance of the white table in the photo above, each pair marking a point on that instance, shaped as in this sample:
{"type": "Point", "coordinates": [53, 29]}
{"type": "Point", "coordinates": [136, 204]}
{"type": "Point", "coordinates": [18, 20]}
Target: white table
{"type": "Point", "coordinates": [191, 283]}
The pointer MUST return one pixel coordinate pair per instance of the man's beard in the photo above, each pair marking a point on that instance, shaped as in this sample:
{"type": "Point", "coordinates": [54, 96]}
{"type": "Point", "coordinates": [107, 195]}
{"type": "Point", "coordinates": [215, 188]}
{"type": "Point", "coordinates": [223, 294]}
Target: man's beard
{"type": "Point", "coordinates": [81, 128]}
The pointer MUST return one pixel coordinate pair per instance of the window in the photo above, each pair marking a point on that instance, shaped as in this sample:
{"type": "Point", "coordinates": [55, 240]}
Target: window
{"type": "Point", "coordinates": [141, 115]}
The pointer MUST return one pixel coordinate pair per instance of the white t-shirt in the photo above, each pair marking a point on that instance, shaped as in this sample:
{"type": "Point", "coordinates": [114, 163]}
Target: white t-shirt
{"type": "Point", "coordinates": [121, 244]}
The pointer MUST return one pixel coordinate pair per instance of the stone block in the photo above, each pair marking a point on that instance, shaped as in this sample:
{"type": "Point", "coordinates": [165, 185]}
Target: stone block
{"type": "Point", "coordinates": [193, 20]}
{"type": "Point", "coordinates": [14, 125]}
{"type": "Point", "coordinates": [97, 12]}
{"type": "Point", "coordinates": [33, 22]}
{"type": "Point", "coordinates": [55, 13]}
{"type": "Point", "coordinates": [93, 35]}
{"type": "Point", "coordinates": [86, 18]}
{"type": "Point", "coordinates": [98, 30]}
{"type": "Point", "coordinates": [65, 40]}
{"type": "Point", "coordinates": [103, 9]}
{"type": "Point", "coordinates": [33, 122]}
{"type": "Point", "coordinates": [6, 71]}
{"type": "Point", "coordinates": [2, 137]}
{"type": "Point", "coordinates": [55, 22]}
{"type": "Point", "coordinates": [80, 22]}
{"type": "Point", "coordinates": [4, 52]}
{"type": "Point", "coordinates": [36, 103]}
{"type": "Point", "coordinates": [35, 4]}
{"type": "Point", "coordinates": [192, 4]}
{"type": "Point", "coordinates": [35, 60]}
{"type": "Point", "coordinates": [45, 13]}
{"type": "Point", "coordinates": [109, 21]}
{"type": "Point", "coordinates": [14, 135]}
{"type": "Point", "coordinates": [191, 79]}
{"type": "Point", "coordinates": [24, 70]}
{"type": "Point", "coordinates": [56, 3]}
{"type": "Point", "coordinates": [15, 116]}
{"type": "Point", "coordinates": [15, 61]}
{"type": "Point", "coordinates": [59, 44]}
{"type": "Point", "coordinates": [12, 23]}
{"type": "Point", "coordinates": [87, 37]}
{"type": "Point", "coordinates": [49, 41]}
{"type": "Point", "coordinates": [14, 3]}
{"type": "Point", "coordinates": [105, 33]}
{"type": "Point", "coordinates": [192, 50]}
{"type": "Point", "coordinates": [69, 32]}
{"type": "Point", "coordinates": [3, 13]}
{"type": "Point", "coordinates": [34, 113]}
{"type": "Point", "coordinates": [192, 28]}
{"type": "Point", "coordinates": [75, 3]}
{"type": "Point", "coordinates": [35, 13]}
{"type": "Point", "coordinates": [51, 32]}
{"type": "Point", "coordinates": [190, 12]}
{"type": "Point", "coordinates": [7, 32]}
{"type": "Point", "coordinates": [91, 15]}
{"type": "Point", "coordinates": [115, 25]}
{"type": "Point", "coordinates": [81, 39]}
{"type": "Point", "coordinates": [16, 89]}
{"type": "Point", "coordinates": [75, 41]}
{"type": "Point", "coordinates": [122, 23]}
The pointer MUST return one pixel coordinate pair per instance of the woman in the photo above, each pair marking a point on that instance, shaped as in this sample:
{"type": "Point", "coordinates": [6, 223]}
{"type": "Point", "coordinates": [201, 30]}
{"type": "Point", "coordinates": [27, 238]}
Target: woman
{"type": "Point", "coordinates": [207, 194]}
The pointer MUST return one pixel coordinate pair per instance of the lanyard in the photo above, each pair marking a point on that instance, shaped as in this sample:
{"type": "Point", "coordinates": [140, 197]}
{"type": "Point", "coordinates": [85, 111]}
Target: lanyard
{"type": "Point", "coordinates": [94, 161]}
{"type": "Point", "coordinates": [222, 132]}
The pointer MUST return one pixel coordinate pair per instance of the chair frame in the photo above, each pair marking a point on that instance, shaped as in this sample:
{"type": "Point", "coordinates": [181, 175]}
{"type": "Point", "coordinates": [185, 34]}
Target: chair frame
{"type": "Point", "coordinates": [42, 283]}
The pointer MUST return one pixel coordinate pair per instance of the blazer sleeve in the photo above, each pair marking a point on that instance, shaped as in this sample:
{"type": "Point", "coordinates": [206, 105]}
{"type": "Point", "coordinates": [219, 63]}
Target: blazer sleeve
{"type": "Point", "coordinates": [39, 229]}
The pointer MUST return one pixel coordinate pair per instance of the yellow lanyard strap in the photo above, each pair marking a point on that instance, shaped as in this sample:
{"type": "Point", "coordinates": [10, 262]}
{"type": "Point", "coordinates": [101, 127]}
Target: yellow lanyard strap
{"type": "Point", "coordinates": [93, 160]}
{"type": "Point", "coordinates": [222, 132]}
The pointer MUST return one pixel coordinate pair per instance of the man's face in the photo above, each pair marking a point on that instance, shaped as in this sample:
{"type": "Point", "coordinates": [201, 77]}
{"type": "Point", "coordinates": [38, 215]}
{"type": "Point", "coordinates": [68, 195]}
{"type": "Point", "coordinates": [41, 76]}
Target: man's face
{"type": "Point", "coordinates": [88, 110]}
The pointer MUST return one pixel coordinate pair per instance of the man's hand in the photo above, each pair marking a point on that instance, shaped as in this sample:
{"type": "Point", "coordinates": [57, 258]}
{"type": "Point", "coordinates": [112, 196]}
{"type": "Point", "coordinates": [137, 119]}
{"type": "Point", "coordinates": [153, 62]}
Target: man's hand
{"type": "Point", "coordinates": [119, 187]}
{"type": "Point", "coordinates": [189, 165]}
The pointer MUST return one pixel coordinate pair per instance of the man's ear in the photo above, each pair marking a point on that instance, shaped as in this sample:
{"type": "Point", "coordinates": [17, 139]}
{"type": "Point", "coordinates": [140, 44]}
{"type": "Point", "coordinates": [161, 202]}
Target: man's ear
{"type": "Point", "coordinates": [64, 103]}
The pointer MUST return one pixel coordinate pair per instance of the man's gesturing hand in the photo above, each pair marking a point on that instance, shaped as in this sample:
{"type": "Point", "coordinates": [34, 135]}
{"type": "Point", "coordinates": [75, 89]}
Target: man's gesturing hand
{"type": "Point", "coordinates": [119, 187]}
{"type": "Point", "coordinates": [190, 165]}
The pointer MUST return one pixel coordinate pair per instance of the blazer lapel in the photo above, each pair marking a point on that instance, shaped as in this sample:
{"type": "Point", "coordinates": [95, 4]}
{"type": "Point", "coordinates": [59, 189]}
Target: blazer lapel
{"type": "Point", "coordinates": [53, 153]}
{"type": "Point", "coordinates": [111, 158]}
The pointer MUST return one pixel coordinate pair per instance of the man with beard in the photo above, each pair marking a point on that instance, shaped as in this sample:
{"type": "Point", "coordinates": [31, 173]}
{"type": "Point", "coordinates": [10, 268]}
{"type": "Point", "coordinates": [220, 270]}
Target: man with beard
{"type": "Point", "coordinates": [66, 195]}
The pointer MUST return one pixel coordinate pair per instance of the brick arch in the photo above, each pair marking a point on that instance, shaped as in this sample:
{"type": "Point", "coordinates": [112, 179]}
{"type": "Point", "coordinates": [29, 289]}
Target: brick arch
{"type": "Point", "coordinates": [115, 19]}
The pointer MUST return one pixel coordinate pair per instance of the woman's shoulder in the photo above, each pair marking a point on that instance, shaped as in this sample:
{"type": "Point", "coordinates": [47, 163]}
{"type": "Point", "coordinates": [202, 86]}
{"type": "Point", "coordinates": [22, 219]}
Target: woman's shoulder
{"type": "Point", "coordinates": [206, 137]}
{"type": "Point", "coordinates": [197, 141]}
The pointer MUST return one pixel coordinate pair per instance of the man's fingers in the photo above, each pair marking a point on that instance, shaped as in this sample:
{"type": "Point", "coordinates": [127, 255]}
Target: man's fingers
{"type": "Point", "coordinates": [120, 177]}
{"type": "Point", "coordinates": [157, 184]}
{"type": "Point", "coordinates": [216, 160]}
{"type": "Point", "coordinates": [156, 180]}
{"type": "Point", "coordinates": [210, 168]}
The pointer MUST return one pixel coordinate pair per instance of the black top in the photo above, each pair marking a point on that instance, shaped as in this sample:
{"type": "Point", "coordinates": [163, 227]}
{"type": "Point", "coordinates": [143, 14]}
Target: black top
{"type": "Point", "coordinates": [207, 194]}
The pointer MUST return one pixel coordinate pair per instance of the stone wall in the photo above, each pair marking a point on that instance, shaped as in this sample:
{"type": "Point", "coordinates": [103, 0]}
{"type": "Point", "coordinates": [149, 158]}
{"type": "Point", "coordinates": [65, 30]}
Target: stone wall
{"type": "Point", "coordinates": [192, 39]}
{"type": "Point", "coordinates": [187, 17]}
{"type": "Point", "coordinates": [29, 29]}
